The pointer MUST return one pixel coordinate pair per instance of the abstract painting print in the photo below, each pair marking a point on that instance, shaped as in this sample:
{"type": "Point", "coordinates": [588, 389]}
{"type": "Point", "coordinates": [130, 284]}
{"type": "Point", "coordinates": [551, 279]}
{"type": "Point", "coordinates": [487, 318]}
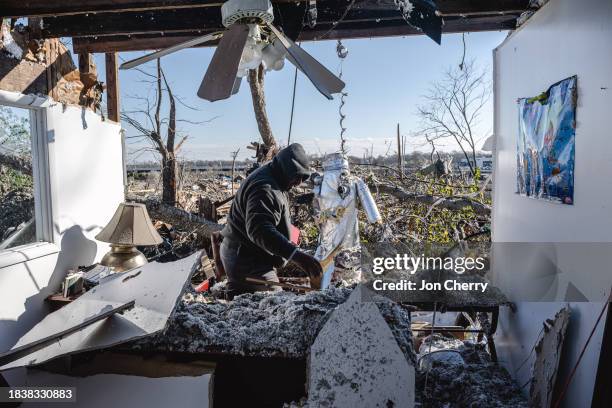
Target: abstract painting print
{"type": "Point", "coordinates": [546, 144]}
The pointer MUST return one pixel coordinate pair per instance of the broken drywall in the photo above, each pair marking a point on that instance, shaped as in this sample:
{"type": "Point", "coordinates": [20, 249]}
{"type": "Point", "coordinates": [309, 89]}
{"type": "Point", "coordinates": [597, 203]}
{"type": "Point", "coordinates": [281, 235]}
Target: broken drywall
{"type": "Point", "coordinates": [546, 363]}
{"type": "Point", "coordinates": [355, 361]}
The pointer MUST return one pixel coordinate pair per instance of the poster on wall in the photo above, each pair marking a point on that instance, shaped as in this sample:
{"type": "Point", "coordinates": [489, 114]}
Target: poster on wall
{"type": "Point", "coordinates": [546, 143]}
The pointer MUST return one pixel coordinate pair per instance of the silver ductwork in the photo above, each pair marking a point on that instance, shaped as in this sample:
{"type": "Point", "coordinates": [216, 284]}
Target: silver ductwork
{"type": "Point", "coordinates": [335, 205]}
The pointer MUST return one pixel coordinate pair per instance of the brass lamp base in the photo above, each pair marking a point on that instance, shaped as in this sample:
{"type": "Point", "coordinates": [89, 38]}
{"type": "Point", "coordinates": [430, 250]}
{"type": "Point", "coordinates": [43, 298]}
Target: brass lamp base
{"type": "Point", "coordinates": [123, 257]}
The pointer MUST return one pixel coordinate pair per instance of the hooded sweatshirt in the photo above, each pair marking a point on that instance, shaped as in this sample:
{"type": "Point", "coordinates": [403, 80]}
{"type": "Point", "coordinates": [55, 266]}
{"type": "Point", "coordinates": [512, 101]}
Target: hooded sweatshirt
{"type": "Point", "coordinates": [259, 218]}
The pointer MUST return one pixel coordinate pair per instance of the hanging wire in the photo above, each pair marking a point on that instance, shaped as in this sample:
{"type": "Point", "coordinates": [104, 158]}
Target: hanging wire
{"type": "Point", "coordinates": [292, 106]}
{"type": "Point", "coordinates": [294, 75]}
{"type": "Point", "coordinates": [342, 53]}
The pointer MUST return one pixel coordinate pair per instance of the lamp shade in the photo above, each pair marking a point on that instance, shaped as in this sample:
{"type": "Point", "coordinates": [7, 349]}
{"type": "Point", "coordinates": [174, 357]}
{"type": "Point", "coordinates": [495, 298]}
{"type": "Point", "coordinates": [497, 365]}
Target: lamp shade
{"type": "Point", "coordinates": [130, 225]}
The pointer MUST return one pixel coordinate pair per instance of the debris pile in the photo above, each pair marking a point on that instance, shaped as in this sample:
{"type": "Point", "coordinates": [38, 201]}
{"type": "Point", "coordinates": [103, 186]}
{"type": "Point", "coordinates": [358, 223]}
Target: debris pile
{"type": "Point", "coordinates": [193, 186]}
{"type": "Point", "coordinates": [472, 381]}
{"type": "Point", "coordinates": [175, 245]}
{"type": "Point", "coordinates": [183, 233]}
{"type": "Point", "coordinates": [263, 324]}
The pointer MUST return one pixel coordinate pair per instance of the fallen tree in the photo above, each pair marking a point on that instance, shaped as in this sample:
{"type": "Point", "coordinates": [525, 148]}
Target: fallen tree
{"type": "Point", "coordinates": [452, 203]}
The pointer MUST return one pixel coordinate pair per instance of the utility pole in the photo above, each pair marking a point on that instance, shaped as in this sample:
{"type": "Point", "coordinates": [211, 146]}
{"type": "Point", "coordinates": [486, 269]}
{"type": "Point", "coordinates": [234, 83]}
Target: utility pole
{"type": "Point", "coordinates": [400, 164]}
{"type": "Point", "coordinates": [234, 155]}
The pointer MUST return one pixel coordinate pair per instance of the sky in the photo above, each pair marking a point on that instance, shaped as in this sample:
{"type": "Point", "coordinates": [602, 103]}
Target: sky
{"type": "Point", "coordinates": [385, 81]}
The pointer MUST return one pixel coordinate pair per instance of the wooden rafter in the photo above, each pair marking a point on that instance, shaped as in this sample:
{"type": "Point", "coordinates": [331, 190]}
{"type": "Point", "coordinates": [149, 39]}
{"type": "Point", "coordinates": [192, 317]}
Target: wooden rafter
{"type": "Point", "coordinates": [366, 29]}
{"type": "Point", "coordinates": [130, 25]}
{"type": "Point", "coordinates": [184, 20]}
{"type": "Point", "coordinates": [112, 87]}
{"type": "Point", "coordinates": [50, 8]}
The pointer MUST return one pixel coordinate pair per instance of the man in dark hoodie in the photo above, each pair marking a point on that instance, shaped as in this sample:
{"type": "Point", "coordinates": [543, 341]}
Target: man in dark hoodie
{"type": "Point", "coordinates": [256, 236]}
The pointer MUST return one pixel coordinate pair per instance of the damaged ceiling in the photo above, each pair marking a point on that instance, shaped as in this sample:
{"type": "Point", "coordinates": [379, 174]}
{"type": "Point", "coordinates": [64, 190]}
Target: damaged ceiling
{"type": "Point", "coordinates": [129, 25]}
{"type": "Point", "coordinates": [29, 65]}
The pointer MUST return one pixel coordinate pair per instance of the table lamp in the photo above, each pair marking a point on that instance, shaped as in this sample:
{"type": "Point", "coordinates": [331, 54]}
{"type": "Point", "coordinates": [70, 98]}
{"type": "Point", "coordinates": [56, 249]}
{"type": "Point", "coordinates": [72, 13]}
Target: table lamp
{"type": "Point", "coordinates": [129, 227]}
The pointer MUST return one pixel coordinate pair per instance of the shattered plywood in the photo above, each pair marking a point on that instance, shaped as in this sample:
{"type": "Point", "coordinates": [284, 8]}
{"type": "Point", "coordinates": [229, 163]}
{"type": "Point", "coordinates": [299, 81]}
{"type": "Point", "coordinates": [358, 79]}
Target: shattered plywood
{"type": "Point", "coordinates": [548, 353]}
{"type": "Point", "coordinates": [355, 361]}
{"type": "Point", "coordinates": [45, 67]}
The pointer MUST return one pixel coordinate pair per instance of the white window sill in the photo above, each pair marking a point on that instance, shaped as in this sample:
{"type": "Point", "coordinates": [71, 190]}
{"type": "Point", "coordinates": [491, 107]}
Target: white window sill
{"type": "Point", "coordinates": [24, 253]}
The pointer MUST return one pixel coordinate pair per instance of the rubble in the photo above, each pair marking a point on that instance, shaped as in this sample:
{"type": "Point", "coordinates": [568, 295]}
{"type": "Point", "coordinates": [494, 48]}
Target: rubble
{"type": "Point", "coordinates": [263, 324]}
{"type": "Point", "coordinates": [183, 232]}
{"type": "Point", "coordinates": [193, 186]}
{"type": "Point", "coordinates": [473, 382]}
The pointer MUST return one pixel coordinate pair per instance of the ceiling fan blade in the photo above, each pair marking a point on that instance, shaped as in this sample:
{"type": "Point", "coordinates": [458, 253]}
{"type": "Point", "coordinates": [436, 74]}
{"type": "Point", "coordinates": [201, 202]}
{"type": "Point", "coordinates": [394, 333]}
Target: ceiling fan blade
{"type": "Point", "coordinates": [220, 76]}
{"type": "Point", "coordinates": [322, 78]}
{"type": "Point", "coordinates": [158, 54]}
{"type": "Point", "coordinates": [236, 86]}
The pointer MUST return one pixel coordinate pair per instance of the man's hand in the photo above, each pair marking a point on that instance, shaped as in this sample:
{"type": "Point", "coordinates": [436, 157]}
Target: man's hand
{"type": "Point", "coordinates": [307, 263]}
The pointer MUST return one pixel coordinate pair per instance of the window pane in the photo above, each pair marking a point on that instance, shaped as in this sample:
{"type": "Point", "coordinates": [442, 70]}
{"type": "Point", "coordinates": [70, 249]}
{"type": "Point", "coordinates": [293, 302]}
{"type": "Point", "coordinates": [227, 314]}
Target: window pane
{"type": "Point", "coordinates": [17, 223]}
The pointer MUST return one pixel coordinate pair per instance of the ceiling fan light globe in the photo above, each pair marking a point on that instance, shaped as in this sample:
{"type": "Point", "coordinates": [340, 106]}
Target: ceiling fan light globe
{"type": "Point", "coordinates": [279, 64]}
{"type": "Point", "coordinates": [251, 57]}
{"type": "Point", "coordinates": [273, 57]}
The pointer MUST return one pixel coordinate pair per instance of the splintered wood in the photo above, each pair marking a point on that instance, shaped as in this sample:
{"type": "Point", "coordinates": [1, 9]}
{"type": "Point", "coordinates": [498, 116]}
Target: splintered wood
{"type": "Point", "coordinates": [547, 357]}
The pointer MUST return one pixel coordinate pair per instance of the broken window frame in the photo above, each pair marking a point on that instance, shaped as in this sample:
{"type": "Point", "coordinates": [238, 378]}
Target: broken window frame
{"type": "Point", "coordinates": [42, 143]}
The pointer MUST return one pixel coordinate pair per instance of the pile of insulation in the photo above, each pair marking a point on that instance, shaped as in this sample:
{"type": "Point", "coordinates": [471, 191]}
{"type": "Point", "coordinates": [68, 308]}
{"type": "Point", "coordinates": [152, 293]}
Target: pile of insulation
{"type": "Point", "coordinates": [461, 374]}
{"type": "Point", "coordinates": [262, 324]}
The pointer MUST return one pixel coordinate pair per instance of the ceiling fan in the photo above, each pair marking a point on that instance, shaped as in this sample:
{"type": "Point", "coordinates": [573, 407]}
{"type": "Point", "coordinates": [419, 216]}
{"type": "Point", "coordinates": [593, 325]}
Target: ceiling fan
{"type": "Point", "coordinates": [250, 39]}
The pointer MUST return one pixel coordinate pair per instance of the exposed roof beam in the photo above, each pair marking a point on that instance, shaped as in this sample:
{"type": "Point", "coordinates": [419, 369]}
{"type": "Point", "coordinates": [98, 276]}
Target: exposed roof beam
{"type": "Point", "coordinates": [54, 8]}
{"type": "Point", "coordinates": [364, 29]}
{"type": "Point", "coordinates": [184, 20]}
{"type": "Point", "coordinates": [193, 20]}
{"type": "Point", "coordinates": [132, 23]}
{"type": "Point", "coordinates": [395, 28]}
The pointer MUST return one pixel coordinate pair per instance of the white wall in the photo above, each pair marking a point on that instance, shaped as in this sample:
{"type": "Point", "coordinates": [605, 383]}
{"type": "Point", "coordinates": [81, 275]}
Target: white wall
{"type": "Point", "coordinates": [564, 38]}
{"type": "Point", "coordinates": [85, 156]}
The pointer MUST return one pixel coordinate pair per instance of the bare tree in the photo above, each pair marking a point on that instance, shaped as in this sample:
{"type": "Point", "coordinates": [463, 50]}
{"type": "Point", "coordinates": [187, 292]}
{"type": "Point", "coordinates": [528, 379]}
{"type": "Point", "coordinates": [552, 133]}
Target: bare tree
{"type": "Point", "coordinates": [453, 108]}
{"type": "Point", "coordinates": [256, 83]}
{"type": "Point", "coordinates": [160, 131]}
{"type": "Point", "coordinates": [14, 133]}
